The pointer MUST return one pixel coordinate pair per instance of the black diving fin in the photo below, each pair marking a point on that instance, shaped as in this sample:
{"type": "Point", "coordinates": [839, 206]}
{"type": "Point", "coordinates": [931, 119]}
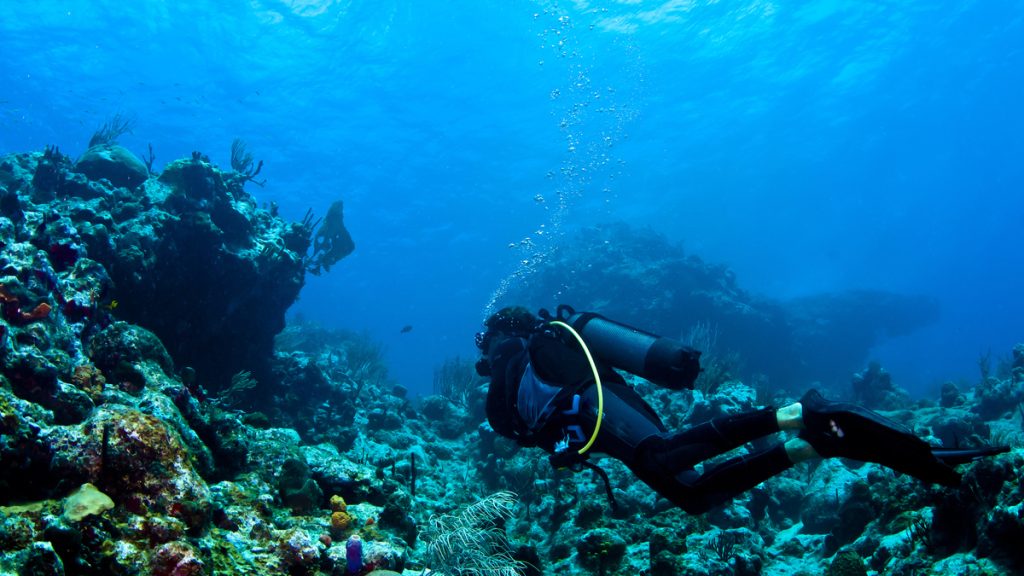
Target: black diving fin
{"type": "Point", "coordinates": [839, 429]}
{"type": "Point", "coordinates": [953, 457]}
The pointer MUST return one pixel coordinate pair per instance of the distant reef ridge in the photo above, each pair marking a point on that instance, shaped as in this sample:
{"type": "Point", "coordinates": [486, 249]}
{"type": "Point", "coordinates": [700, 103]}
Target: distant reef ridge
{"type": "Point", "coordinates": [635, 275]}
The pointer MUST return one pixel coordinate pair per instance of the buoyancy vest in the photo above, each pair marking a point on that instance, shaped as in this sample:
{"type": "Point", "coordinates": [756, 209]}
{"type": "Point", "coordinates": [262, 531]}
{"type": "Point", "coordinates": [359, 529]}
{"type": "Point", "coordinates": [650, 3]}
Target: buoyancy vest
{"type": "Point", "coordinates": [530, 378]}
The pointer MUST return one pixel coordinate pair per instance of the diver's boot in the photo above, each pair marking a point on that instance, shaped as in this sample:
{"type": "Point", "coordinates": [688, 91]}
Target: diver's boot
{"type": "Point", "coordinates": [837, 429]}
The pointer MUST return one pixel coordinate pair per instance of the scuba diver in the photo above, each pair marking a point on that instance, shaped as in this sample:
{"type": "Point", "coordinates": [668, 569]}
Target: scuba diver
{"type": "Point", "coordinates": [553, 386]}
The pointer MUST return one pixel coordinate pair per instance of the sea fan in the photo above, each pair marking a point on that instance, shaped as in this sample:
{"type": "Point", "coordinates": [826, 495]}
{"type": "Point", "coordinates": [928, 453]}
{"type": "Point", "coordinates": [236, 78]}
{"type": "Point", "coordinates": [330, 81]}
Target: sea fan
{"type": "Point", "coordinates": [471, 542]}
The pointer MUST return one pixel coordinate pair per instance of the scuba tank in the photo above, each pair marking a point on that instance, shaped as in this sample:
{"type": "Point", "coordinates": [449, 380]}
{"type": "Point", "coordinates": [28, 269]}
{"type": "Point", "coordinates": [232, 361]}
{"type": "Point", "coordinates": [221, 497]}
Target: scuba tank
{"type": "Point", "coordinates": [662, 361]}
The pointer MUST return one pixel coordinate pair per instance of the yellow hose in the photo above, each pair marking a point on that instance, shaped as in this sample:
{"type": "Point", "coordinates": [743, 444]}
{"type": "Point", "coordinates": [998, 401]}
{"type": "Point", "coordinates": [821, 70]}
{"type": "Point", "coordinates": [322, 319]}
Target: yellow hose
{"type": "Point", "coordinates": [597, 382]}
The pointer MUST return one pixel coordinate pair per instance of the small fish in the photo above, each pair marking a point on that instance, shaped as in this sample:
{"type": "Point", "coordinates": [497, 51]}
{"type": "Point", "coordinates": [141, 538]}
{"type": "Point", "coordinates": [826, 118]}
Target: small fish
{"type": "Point", "coordinates": [112, 305]}
{"type": "Point", "coordinates": [405, 329]}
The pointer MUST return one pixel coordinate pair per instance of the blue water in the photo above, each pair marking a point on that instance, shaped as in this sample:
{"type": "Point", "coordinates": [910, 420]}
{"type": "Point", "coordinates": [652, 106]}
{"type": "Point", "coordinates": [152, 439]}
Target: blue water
{"type": "Point", "coordinates": [811, 146]}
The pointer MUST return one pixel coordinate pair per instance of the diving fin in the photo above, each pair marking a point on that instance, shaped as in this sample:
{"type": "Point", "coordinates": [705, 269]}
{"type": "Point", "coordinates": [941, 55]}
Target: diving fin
{"type": "Point", "coordinates": [837, 429]}
{"type": "Point", "coordinates": [953, 456]}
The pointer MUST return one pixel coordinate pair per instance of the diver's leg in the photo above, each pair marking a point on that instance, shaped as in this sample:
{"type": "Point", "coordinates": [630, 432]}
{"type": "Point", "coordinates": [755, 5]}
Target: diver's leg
{"type": "Point", "coordinates": [790, 417]}
{"type": "Point", "coordinates": [800, 450]}
{"type": "Point", "coordinates": [678, 451]}
{"type": "Point", "coordinates": [697, 493]}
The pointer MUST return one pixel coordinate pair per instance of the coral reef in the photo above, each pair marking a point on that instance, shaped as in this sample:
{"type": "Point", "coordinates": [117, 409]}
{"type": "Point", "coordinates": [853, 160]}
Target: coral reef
{"type": "Point", "coordinates": [188, 255]}
{"type": "Point", "coordinates": [140, 435]}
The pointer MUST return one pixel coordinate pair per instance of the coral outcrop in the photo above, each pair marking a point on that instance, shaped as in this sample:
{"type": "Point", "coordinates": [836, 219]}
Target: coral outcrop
{"type": "Point", "coordinates": [188, 255]}
{"type": "Point", "coordinates": [113, 163]}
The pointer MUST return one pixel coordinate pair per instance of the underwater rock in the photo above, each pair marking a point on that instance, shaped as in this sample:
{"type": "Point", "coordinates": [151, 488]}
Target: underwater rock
{"type": "Point", "coordinates": [204, 237]}
{"type": "Point", "coordinates": [732, 397]}
{"type": "Point", "coordinates": [446, 418]}
{"type": "Point", "coordinates": [995, 398]}
{"type": "Point", "coordinates": [59, 238]}
{"type": "Point", "coordinates": [42, 560]}
{"type": "Point", "coordinates": [383, 420]}
{"type": "Point", "coordinates": [383, 555]}
{"type": "Point", "coordinates": [1017, 367]}
{"type": "Point", "coordinates": [120, 351]}
{"type": "Point", "coordinates": [588, 512]}
{"type": "Point", "coordinates": [954, 526]}
{"type": "Point", "coordinates": [664, 540]}
{"type": "Point", "coordinates": [600, 549]}
{"type": "Point", "coordinates": [530, 561]}
{"type": "Point", "coordinates": [84, 287]}
{"type": "Point", "coordinates": [25, 451]}
{"type": "Point", "coordinates": [854, 515]}
{"type": "Point", "coordinates": [950, 396]}
{"type": "Point", "coordinates": [297, 552]}
{"type": "Point", "coordinates": [215, 433]}
{"type": "Point", "coordinates": [17, 530]}
{"type": "Point", "coordinates": [847, 563]}
{"type": "Point", "coordinates": [829, 487]}
{"type": "Point", "coordinates": [336, 474]}
{"type": "Point", "coordinates": [71, 405]}
{"type": "Point", "coordinates": [136, 459]}
{"type": "Point", "coordinates": [269, 448]}
{"type": "Point", "coordinates": [956, 427]}
{"type": "Point", "coordinates": [785, 498]}
{"type": "Point", "coordinates": [396, 517]}
{"type": "Point", "coordinates": [166, 402]}
{"type": "Point", "coordinates": [246, 506]}
{"type": "Point", "coordinates": [114, 163]}
{"type": "Point", "coordinates": [1002, 535]}
{"type": "Point", "coordinates": [966, 563]}
{"type": "Point", "coordinates": [32, 377]}
{"type": "Point", "coordinates": [873, 388]}
{"type": "Point", "coordinates": [298, 490]}
{"type": "Point", "coordinates": [731, 515]}
{"type": "Point", "coordinates": [178, 558]}
{"type": "Point", "coordinates": [665, 564]}
{"type": "Point", "coordinates": [1001, 521]}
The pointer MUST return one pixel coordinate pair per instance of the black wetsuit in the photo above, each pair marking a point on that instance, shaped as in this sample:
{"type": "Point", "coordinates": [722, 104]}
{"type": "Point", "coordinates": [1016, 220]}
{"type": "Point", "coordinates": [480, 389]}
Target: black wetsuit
{"type": "Point", "coordinates": [630, 431]}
